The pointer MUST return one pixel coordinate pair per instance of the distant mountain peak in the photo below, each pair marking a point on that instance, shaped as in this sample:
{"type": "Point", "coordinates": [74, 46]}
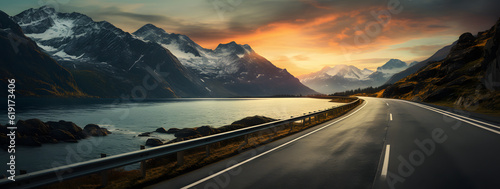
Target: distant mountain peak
{"type": "Point", "coordinates": [393, 64]}
{"type": "Point", "coordinates": [150, 28]}
{"type": "Point", "coordinates": [233, 47]}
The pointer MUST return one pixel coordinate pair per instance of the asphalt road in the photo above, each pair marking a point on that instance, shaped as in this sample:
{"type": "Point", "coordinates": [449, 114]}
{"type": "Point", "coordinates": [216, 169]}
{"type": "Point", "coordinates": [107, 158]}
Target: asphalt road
{"type": "Point", "coordinates": [384, 143]}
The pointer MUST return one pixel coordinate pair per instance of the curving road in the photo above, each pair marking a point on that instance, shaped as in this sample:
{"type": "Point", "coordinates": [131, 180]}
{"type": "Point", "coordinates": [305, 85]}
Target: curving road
{"type": "Point", "coordinates": [384, 143]}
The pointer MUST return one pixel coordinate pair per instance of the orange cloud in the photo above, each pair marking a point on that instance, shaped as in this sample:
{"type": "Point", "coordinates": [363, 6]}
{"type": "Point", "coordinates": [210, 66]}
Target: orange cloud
{"type": "Point", "coordinates": [342, 35]}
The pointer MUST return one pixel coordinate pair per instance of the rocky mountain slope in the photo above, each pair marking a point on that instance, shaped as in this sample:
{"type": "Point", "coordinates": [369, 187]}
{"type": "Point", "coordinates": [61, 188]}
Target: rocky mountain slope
{"type": "Point", "coordinates": [343, 77]}
{"type": "Point", "coordinates": [106, 61]}
{"type": "Point", "coordinates": [469, 76]}
{"type": "Point", "coordinates": [415, 66]}
{"type": "Point", "coordinates": [230, 69]}
{"type": "Point", "coordinates": [36, 73]}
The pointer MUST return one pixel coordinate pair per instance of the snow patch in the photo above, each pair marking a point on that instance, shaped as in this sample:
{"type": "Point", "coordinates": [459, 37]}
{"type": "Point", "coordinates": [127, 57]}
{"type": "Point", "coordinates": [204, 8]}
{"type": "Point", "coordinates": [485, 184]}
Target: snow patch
{"type": "Point", "coordinates": [65, 56]}
{"type": "Point", "coordinates": [62, 28]}
{"type": "Point", "coordinates": [135, 62]}
{"type": "Point", "coordinates": [47, 48]}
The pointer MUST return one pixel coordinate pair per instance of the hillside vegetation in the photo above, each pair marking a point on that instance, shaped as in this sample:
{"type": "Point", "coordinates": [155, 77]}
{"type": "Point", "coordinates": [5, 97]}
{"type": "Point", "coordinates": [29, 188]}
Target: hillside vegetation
{"type": "Point", "coordinates": [468, 78]}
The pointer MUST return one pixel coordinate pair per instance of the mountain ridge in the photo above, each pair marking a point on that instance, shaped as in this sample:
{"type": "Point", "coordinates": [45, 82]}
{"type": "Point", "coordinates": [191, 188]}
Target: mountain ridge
{"type": "Point", "coordinates": [467, 78]}
{"type": "Point", "coordinates": [348, 77]}
{"type": "Point", "coordinates": [230, 69]}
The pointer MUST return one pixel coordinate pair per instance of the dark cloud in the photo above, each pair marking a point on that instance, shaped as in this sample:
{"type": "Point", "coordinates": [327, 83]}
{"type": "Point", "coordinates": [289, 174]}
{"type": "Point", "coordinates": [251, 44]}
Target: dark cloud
{"type": "Point", "coordinates": [147, 18]}
{"type": "Point", "coordinates": [437, 26]}
{"type": "Point", "coordinates": [421, 49]}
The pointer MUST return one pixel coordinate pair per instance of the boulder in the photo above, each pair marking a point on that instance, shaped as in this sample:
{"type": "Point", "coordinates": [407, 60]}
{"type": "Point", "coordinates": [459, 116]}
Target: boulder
{"type": "Point", "coordinates": [24, 128]}
{"type": "Point", "coordinates": [47, 139]}
{"type": "Point", "coordinates": [254, 120]}
{"type": "Point", "coordinates": [161, 130]}
{"type": "Point", "coordinates": [28, 141]}
{"type": "Point", "coordinates": [229, 127]}
{"type": "Point", "coordinates": [173, 130]}
{"type": "Point", "coordinates": [146, 134]}
{"type": "Point", "coordinates": [37, 124]}
{"type": "Point", "coordinates": [153, 142]}
{"type": "Point", "coordinates": [205, 130]}
{"type": "Point", "coordinates": [95, 130]}
{"type": "Point", "coordinates": [62, 135]}
{"type": "Point", "coordinates": [187, 132]}
{"type": "Point", "coordinates": [71, 127]}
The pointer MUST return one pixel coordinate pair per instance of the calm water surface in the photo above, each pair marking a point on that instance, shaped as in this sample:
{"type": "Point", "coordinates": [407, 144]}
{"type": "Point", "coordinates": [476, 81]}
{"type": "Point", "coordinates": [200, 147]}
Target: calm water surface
{"type": "Point", "coordinates": [127, 120]}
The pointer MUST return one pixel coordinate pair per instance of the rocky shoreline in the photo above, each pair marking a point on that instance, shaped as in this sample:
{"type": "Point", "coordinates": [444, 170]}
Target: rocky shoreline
{"type": "Point", "coordinates": [190, 133]}
{"type": "Point", "coordinates": [34, 132]}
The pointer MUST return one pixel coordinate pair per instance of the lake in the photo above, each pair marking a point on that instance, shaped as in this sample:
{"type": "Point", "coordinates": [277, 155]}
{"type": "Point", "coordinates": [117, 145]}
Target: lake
{"type": "Point", "coordinates": [128, 119]}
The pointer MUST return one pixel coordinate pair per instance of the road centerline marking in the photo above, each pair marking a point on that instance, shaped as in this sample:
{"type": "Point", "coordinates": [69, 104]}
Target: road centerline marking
{"type": "Point", "coordinates": [269, 151]}
{"type": "Point", "coordinates": [390, 116]}
{"type": "Point", "coordinates": [385, 166]}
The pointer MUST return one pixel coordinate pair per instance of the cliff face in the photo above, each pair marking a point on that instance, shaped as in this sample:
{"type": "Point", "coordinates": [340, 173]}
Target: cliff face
{"type": "Point", "coordinates": [468, 78]}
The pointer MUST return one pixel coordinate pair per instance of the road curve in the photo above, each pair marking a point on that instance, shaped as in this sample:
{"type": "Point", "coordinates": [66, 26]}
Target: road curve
{"type": "Point", "coordinates": [364, 149]}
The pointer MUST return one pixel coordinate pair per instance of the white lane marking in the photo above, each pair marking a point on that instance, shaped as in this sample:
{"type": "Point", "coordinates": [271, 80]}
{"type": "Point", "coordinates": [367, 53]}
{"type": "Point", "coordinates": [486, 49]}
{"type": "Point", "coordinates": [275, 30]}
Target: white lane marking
{"type": "Point", "coordinates": [390, 116]}
{"type": "Point", "coordinates": [446, 112]}
{"type": "Point", "coordinates": [387, 104]}
{"type": "Point", "coordinates": [466, 121]}
{"type": "Point", "coordinates": [269, 151]}
{"type": "Point", "coordinates": [385, 167]}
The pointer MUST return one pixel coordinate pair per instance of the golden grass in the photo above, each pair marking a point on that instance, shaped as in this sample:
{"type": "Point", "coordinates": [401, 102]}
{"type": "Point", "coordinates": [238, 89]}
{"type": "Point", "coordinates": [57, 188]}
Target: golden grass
{"type": "Point", "coordinates": [164, 168]}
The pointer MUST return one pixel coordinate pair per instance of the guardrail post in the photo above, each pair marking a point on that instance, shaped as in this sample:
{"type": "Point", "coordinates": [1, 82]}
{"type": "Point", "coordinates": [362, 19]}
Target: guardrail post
{"type": "Point", "coordinates": [180, 158]}
{"type": "Point", "coordinates": [143, 164]}
{"type": "Point", "coordinates": [207, 150]}
{"type": "Point", "coordinates": [104, 174]}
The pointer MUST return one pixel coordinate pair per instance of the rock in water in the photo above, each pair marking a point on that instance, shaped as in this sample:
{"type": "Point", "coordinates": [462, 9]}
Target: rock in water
{"type": "Point", "coordinates": [70, 127]}
{"type": "Point", "coordinates": [95, 130]}
{"type": "Point", "coordinates": [153, 142]}
{"type": "Point", "coordinates": [173, 130]}
{"type": "Point", "coordinates": [161, 130]}
{"type": "Point", "coordinates": [146, 134]}
{"type": "Point", "coordinates": [32, 127]}
{"type": "Point", "coordinates": [254, 120]}
{"type": "Point", "coordinates": [62, 135]}
{"type": "Point", "coordinates": [187, 132]}
{"type": "Point", "coordinates": [205, 130]}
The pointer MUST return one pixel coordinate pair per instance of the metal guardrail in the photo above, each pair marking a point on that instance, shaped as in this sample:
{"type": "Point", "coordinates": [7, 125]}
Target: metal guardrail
{"type": "Point", "coordinates": [48, 176]}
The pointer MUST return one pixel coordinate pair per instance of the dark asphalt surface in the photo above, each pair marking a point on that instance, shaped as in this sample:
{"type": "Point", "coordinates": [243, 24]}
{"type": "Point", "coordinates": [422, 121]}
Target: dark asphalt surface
{"type": "Point", "coordinates": [427, 150]}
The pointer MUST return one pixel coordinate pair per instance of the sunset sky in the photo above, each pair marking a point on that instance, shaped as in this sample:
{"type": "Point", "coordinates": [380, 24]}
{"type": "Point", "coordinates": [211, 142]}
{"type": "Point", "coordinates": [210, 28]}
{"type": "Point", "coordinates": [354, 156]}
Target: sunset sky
{"type": "Point", "coordinates": [300, 35]}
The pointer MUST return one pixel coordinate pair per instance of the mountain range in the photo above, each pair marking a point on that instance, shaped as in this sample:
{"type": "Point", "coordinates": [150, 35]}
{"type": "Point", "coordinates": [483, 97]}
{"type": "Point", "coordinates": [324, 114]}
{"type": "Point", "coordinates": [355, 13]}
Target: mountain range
{"type": "Point", "coordinates": [232, 69]}
{"type": "Point", "coordinates": [105, 61]}
{"type": "Point", "coordinates": [347, 77]}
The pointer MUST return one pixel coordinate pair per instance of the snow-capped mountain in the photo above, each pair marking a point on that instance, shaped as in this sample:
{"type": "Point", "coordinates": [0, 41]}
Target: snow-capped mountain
{"type": "Point", "coordinates": [347, 77]}
{"type": "Point", "coordinates": [230, 69]}
{"type": "Point", "coordinates": [105, 60]}
{"type": "Point", "coordinates": [35, 73]}
{"type": "Point", "coordinates": [392, 66]}
{"type": "Point", "coordinates": [344, 71]}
